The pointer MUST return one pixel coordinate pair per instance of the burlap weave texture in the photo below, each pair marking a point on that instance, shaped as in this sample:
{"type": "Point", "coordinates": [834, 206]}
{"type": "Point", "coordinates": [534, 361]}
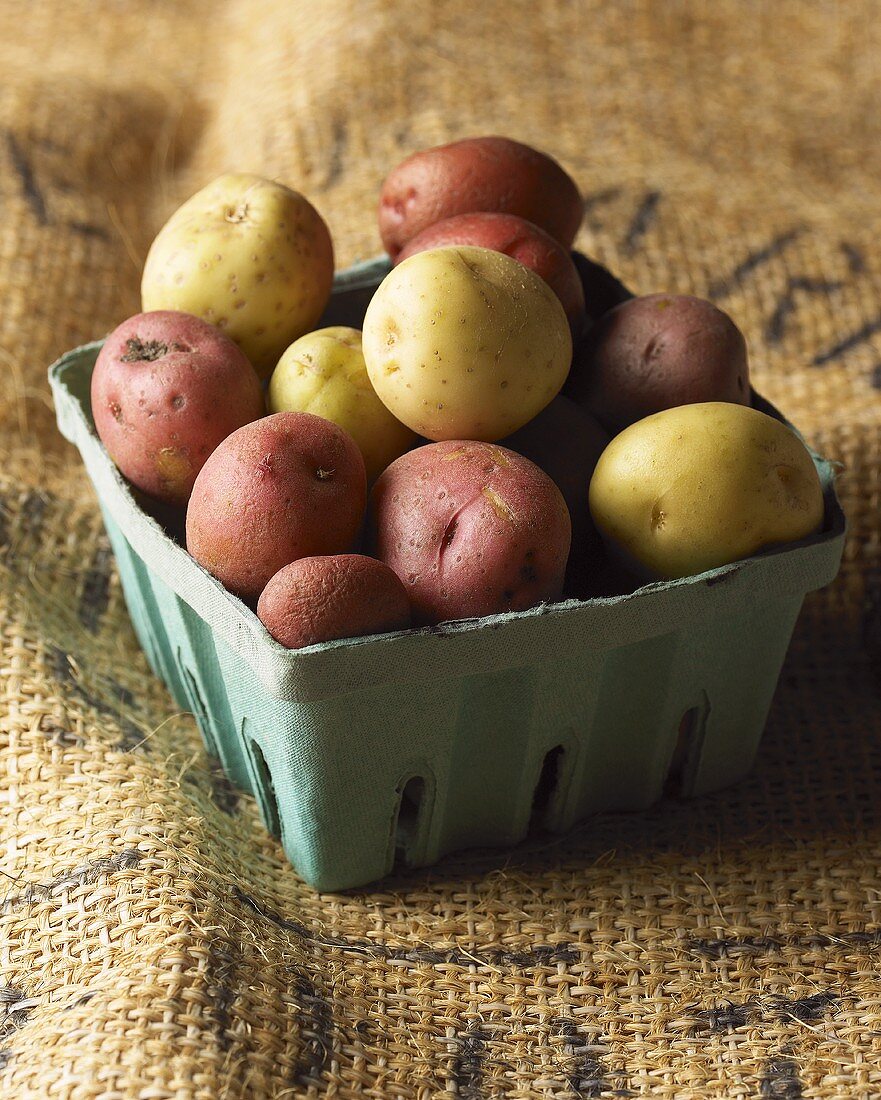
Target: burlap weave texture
{"type": "Point", "coordinates": [154, 943]}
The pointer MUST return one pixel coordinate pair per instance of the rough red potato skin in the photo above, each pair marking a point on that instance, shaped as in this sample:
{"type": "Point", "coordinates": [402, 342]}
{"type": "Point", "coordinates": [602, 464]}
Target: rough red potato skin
{"type": "Point", "coordinates": [471, 529]}
{"type": "Point", "coordinates": [517, 238]}
{"type": "Point", "coordinates": [289, 486]}
{"type": "Point", "coordinates": [658, 352]}
{"type": "Point", "coordinates": [337, 596]}
{"type": "Point", "coordinates": [166, 389]}
{"type": "Point", "coordinates": [485, 173]}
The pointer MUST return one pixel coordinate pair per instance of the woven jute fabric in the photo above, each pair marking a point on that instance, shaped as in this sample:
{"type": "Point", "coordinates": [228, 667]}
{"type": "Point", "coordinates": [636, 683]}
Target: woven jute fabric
{"type": "Point", "coordinates": [154, 943]}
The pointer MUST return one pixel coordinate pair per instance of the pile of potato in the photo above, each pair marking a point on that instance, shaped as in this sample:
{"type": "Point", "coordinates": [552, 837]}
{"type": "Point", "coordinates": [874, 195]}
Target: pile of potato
{"type": "Point", "coordinates": [515, 432]}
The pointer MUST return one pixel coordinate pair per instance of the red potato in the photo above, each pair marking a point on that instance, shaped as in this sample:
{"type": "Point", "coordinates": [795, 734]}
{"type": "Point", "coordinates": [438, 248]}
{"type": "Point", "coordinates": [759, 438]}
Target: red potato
{"type": "Point", "coordinates": [471, 529]}
{"type": "Point", "coordinates": [166, 389]}
{"type": "Point", "coordinates": [484, 173]}
{"type": "Point", "coordinates": [337, 596]}
{"type": "Point", "coordinates": [659, 352]}
{"type": "Point", "coordinates": [289, 486]}
{"type": "Point", "coordinates": [517, 238]}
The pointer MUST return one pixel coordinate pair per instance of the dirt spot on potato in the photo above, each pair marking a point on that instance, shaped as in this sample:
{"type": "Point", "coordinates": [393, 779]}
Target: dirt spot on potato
{"type": "Point", "coordinates": [141, 351]}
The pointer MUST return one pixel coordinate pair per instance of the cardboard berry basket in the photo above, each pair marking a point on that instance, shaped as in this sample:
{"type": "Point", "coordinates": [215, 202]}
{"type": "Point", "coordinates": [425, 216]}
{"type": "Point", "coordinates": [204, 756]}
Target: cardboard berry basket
{"type": "Point", "coordinates": [402, 747]}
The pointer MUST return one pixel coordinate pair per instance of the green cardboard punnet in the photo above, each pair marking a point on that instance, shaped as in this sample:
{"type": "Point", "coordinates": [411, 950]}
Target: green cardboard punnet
{"type": "Point", "coordinates": [403, 747]}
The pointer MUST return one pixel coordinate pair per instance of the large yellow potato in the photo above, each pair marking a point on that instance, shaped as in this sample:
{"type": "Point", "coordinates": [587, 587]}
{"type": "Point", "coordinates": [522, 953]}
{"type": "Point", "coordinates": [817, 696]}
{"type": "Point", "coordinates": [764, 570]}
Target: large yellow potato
{"type": "Point", "coordinates": [466, 343]}
{"type": "Point", "coordinates": [249, 255]}
{"type": "Point", "coordinates": [324, 373]}
{"type": "Point", "coordinates": [692, 488]}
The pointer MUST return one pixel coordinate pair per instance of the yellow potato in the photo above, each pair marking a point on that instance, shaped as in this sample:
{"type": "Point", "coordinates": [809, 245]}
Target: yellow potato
{"type": "Point", "coordinates": [249, 255]}
{"type": "Point", "coordinates": [323, 373]}
{"type": "Point", "coordinates": [695, 487]}
{"type": "Point", "coordinates": [466, 343]}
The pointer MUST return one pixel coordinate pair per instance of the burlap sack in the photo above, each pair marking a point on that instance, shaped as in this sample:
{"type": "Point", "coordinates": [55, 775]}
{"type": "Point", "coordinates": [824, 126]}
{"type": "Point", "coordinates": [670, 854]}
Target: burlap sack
{"type": "Point", "coordinates": [155, 944]}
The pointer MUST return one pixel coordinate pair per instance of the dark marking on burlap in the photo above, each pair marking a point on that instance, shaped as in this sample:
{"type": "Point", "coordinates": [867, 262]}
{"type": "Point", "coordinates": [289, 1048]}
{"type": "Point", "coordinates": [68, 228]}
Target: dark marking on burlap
{"type": "Point", "coordinates": [642, 221]}
{"type": "Point", "coordinates": [37, 196]}
{"type": "Point", "coordinates": [224, 792]}
{"type": "Point", "coordinates": [753, 261]}
{"type": "Point", "coordinates": [847, 343]}
{"type": "Point", "coordinates": [732, 1015]}
{"type": "Point", "coordinates": [20, 521]}
{"type": "Point", "coordinates": [797, 287]}
{"type": "Point", "coordinates": [89, 230]}
{"type": "Point", "coordinates": [856, 261]}
{"type": "Point", "coordinates": [599, 198]}
{"type": "Point", "coordinates": [223, 967]}
{"type": "Point", "coordinates": [95, 596]}
{"type": "Point", "coordinates": [33, 512]}
{"type": "Point", "coordinates": [339, 140]}
{"type": "Point", "coordinates": [780, 1080]}
{"type": "Point", "coordinates": [316, 1029]}
{"type": "Point", "coordinates": [5, 536]}
{"type": "Point", "coordinates": [80, 876]}
{"type": "Point", "coordinates": [132, 735]}
{"type": "Point", "coordinates": [539, 955]}
{"type": "Point", "coordinates": [769, 945]}
{"type": "Point", "coordinates": [586, 1077]}
{"type": "Point", "coordinates": [15, 1010]}
{"type": "Point", "coordinates": [24, 170]}
{"type": "Point", "coordinates": [58, 735]}
{"type": "Point", "coordinates": [467, 1068]}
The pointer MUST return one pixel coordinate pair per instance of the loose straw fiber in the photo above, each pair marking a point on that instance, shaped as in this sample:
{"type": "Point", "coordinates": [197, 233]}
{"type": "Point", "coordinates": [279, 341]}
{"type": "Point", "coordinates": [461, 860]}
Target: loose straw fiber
{"type": "Point", "coordinates": [154, 942]}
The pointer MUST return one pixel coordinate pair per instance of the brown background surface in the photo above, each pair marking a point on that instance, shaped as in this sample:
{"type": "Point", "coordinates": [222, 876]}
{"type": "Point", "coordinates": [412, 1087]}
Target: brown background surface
{"type": "Point", "coordinates": [154, 943]}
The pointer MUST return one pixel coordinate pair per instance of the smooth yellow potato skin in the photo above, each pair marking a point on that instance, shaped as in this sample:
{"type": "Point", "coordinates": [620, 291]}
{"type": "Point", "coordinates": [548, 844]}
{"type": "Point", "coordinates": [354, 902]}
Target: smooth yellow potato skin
{"type": "Point", "coordinates": [324, 373]}
{"type": "Point", "coordinates": [695, 487]}
{"type": "Point", "coordinates": [249, 255]}
{"type": "Point", "coordinates": [465, 343]}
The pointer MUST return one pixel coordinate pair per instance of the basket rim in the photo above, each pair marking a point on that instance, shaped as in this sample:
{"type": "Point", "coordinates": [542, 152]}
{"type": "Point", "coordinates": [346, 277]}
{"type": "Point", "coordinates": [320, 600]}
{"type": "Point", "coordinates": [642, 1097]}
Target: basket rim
{"type": "Point", "coordinates": [793, 569]}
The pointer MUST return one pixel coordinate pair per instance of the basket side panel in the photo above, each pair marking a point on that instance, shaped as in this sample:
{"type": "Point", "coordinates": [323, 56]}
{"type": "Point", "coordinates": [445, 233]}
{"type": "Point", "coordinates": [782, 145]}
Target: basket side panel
{"type": "Point", "coordinates": [623, 747]}
{"type": "Point", "coordinates": [735, 676]}
{"type": "Point", "coordinates": [339, 769]}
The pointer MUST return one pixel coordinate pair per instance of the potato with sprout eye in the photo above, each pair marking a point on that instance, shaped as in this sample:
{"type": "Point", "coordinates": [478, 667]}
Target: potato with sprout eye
{"type": "Point", "coordinates": [166, 389]}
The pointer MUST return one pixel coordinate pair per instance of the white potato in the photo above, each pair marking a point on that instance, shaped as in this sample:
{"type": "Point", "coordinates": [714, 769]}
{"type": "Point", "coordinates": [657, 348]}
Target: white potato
{"type": "Point", "coordinates": [249, 255]}
{"type": "Point", "coordinates": [695, 487]}
{"type": "Point", "coordinates": [465, 343]}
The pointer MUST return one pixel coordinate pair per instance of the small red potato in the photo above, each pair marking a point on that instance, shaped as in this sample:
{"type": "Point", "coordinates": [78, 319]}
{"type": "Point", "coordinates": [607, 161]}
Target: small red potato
{"type": "Point", "coordinates": [655, 353]}
{"type": "Point", "coordinates": [517, 238]}
{"type": "Point", "coordinates": [337, 596]}
{"type": "Point", "coordinates": [471, 529]}
{"type": "Point", "coordinates": [166, 389]}
{"type": "Point", "coordinates": [484, 173]}
{"type": "Point", "coordinates": [289, 486]}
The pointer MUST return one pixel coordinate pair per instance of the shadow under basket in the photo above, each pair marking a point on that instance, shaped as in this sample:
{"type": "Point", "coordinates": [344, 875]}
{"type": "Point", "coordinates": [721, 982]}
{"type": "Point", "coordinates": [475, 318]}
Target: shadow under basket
{"type": "Point", "coordinates": [393, 750]}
